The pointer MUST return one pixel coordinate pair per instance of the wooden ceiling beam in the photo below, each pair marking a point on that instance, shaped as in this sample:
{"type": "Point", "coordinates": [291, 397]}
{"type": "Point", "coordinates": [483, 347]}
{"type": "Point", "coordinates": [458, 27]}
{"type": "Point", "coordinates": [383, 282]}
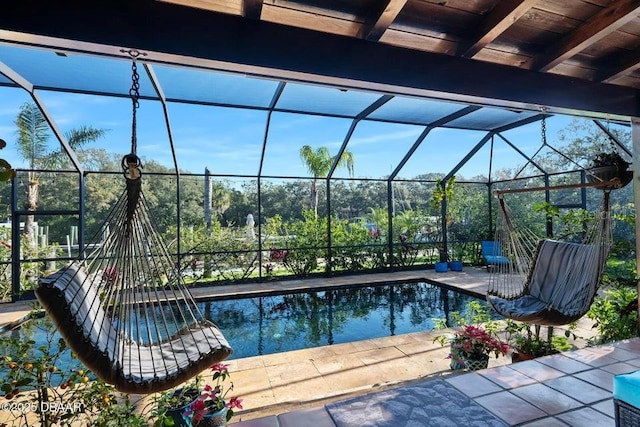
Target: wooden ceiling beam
{"type": "Point", "coordinates": [602, 24]}
{"type": "Point", "coordinates": [251, 9]}
{"type": "Point", "coordinates": [387, 15]}
{"type": "Point", "coordinates": [503, 15]}
{"type": "Point", "coordinates": [217, 41]}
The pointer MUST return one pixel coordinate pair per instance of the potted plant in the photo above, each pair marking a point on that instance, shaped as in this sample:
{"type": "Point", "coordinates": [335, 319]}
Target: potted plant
{"type": "Point", "coordinates": [475, 340]}
{"type": "Point", "coordinates": [172, 405]}
{"type": "Point", "coordinates": [526, 343]}
{"type": "Point", "coordinates": [472, 346]}
{"type": "Point", "coordinates": [607, 166]}
{"type": "Point", "coordinates": [211, 409]}
{"type": "Point", "coordinates": [197, 404]}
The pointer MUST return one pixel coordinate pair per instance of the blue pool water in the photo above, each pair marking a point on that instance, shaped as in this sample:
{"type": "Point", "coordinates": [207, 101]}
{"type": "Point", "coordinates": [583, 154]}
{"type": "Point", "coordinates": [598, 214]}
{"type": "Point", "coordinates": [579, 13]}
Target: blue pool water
{"type": "Point", "coordinates": [272, 324]}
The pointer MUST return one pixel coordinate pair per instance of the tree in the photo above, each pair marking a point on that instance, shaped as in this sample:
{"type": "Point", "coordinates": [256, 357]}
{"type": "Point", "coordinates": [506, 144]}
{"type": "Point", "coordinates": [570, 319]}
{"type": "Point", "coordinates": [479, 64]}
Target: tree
{"type": "Point", "coordinates": [319, 164]}
{"type": "Point", "coordinates": [33, 137]}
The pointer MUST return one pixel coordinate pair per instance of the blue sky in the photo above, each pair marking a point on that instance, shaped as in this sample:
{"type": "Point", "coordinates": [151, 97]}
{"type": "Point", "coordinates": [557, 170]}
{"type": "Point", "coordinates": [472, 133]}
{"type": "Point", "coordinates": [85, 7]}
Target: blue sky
{"type": "Point", "coordinates": [229, 140]}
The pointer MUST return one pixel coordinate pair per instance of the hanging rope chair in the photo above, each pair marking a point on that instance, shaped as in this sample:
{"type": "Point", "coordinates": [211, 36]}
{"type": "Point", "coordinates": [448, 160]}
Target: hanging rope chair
{"type": "Point", "coordinates": [545, 281]}
{"type": "Point", "coordinates": [124, 308]}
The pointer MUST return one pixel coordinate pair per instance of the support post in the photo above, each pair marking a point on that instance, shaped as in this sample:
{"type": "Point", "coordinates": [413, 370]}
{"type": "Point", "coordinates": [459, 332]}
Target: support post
{"type": "Point", "coordinates": [635, 137]}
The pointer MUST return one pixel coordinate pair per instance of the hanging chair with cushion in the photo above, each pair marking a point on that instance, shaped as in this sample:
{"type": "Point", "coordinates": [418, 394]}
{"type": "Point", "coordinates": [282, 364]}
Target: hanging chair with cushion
{"type": "Point", "coordinates": [124, 308]}
{"type": "Point", "coordinates": [548, 282]}
{"type": "Point", "coordinates": [545, 281]}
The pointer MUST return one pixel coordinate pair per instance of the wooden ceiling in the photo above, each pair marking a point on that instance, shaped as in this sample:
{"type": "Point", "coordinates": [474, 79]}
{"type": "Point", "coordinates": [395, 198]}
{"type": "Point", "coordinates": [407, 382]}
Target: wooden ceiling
{"type": "Point", "coordinates": [567, 56]}
{"type": "Point", "coordinates": [595, 40]}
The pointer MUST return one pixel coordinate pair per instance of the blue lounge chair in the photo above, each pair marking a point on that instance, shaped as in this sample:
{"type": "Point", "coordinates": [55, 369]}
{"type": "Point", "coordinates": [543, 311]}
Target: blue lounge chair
{"type": "Point", "coordinates": [492, 253]}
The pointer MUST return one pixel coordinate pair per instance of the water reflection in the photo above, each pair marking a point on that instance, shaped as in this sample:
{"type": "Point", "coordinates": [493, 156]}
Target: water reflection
{"type": "Point", "coordinates": [274, 324]}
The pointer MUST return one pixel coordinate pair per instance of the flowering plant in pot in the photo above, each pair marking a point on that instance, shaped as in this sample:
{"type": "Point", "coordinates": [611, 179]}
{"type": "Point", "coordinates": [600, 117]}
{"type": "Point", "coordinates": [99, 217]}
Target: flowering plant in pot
{"type": "Point", "coordinates": [471, 347]}
{"type": "Point", "coordinates": [475, 340]}
{"type": "Point", "coordinates": [212, 408]}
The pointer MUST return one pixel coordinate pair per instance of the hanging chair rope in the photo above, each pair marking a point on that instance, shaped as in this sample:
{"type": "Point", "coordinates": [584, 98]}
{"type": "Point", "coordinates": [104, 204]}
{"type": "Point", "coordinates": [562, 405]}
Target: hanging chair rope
{"type": "Point", "coordinates": [123, 306]}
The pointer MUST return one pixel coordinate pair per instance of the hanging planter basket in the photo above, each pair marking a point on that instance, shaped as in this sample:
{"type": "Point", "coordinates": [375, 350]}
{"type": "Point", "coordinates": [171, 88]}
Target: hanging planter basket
{"type": "Point", "coordinates": [609, 167]}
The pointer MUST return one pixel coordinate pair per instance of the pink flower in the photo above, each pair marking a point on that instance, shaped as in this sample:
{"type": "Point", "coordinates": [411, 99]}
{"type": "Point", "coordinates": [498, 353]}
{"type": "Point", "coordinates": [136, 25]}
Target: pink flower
{"type": "Point", "coordinates": [220, 367]}
{"type": "Point", "coordinates": [235, 402]}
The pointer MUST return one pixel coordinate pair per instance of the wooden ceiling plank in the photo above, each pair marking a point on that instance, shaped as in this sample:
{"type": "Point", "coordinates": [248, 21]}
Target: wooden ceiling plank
{"type": "Point", "coordinates": [388, 14]}
{"type": "Point", "coordinates": [599, 26]}
{"type": "Point", "coordinates": [496, 22]}
{"type": "Point", "coordinates": [251, 9]}
{"type": "Point", "coordinates": [626, 63]}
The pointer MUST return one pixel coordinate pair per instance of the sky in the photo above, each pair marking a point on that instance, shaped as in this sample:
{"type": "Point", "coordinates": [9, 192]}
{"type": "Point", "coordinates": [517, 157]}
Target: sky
{"type": "Point", "coordinates": [228, 140]}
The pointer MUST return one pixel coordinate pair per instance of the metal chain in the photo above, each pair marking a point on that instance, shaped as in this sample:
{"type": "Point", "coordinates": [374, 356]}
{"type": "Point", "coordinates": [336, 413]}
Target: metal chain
{"type": "Point", "coordinates": [543, 126]}
{"type": "Point", "coordinates": [131, 163]}
{"type": "Point", "coordinates": [134, 92]}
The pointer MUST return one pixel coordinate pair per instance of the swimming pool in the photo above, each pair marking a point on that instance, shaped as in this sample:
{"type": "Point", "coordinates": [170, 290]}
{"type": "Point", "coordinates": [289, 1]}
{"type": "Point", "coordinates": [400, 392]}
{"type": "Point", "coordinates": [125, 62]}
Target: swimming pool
{"type": "Point", "coordinates": [272, 324]}
{"type": "Point", "coordinates": [279, 323]}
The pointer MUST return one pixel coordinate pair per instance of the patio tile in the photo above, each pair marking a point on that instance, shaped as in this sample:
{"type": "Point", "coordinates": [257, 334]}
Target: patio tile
{"type": "Point", "coordinates": [316, 417]}
{"type": "Point", "coordinates": [546, 422]}
{"type": "Point", "coordinates": [473, 385]}
{"type": "Point", "coordinates": [415, 347]}
{"type": "Point", "coordinates": [620, 368]}
{"type": "Point", "coordinates": [246, 363]}
{"type": "Point", "coordinates": [254, 387]}
{"type": "Point", "coordinates": [321, 352]}
{"type": "Point", "coordinates": [578, 389]}
{"type": "Point", "coordinates": [434, 360]}
{"type": "Point", "coordinates": [606, 407]}
{"type": "Point", "coordinates": [587, 417]}
{"type": "Point", "coordinates": [394, 341]}
{"type": "Point", "coordinates": [510, 408]}
{"type": "Point", "coordinates": [379, 355]}
{"type": "Point", "coordinates": [291, 373]}
{"type": "Point", "coordinates": [270, 421]}
{"type": "Point", "coordinates": [599, 377]}
{"type": "Point", "coordinates": [537, 370]}
{"type": "Point", "coordinates": [547, 399]}
{"type": "Point", "coordinates": [343, 348]}
{"type": "Point", "coordinates": [632, 345]}
{"type": "Point", "coordinates": [611, 351]}
{"type": "Point", "coordinates": [403, 369]}
{"type": "Point", "coordinates": [506, 377]}
{"type": "Point", "coordinates": [591, 358]}
{"type": "Point", "coordinates": [307, 389]}
{"type": "Point", "coordinates": [563, 363]}
{"type": "Point", "coordinates": [336, 363]}
{"type": "Point", "coordinates": [362, 378]}
{"type": "Point", "coordinates": [364, 345]}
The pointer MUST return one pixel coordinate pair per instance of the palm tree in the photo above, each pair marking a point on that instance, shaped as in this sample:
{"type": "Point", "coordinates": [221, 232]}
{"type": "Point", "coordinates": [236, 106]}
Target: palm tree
{"type": "Point", "coordinates": [319, 163]}
{"type": "Point", "coordinates": [33, 136]}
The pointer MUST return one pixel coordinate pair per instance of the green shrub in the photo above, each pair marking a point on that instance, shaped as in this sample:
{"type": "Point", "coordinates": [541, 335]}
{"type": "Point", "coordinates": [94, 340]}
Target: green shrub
{"type": "Point", "coordinates": [615, 315]}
